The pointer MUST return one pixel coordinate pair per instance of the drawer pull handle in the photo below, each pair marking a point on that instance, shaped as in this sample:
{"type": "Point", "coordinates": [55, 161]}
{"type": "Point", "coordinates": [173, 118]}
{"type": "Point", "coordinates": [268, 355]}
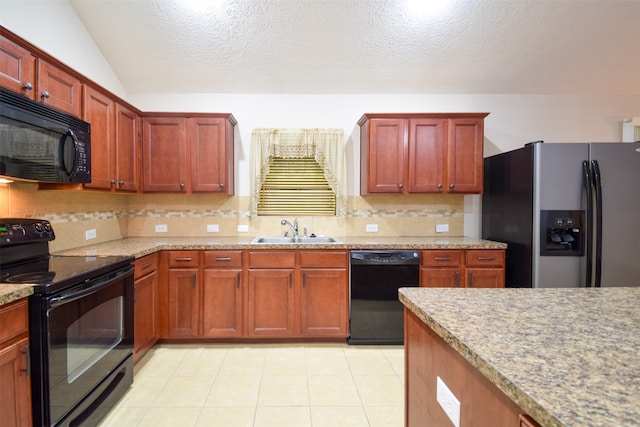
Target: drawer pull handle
{"type": "Point", "coordinates": [184, 259]}
{"type": "Point", "coordinates": [223, 258]}
{"type": "Point", "coordinates": [290, 280]}
{"type": "Point", "coordinates": [27, 370]}
{"type": "Point", "coordinates": [470, 279]}
{"type": "Point", "coordinates": [486, 258]}
{"type": "Point", "coordinates": [238, 281]}
{"type": "Point", "coordinates": [457, 279]}
{"type": "Point", "coordinates": [144, 267]}
{"type": "Point", "coordinates": [193, 281]}
{"type": "Point", "coordinates": [442, 259]}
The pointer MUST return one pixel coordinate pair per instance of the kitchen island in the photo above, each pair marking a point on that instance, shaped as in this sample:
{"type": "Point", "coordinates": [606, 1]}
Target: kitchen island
{"type": "Point", "coordinates": [564, 357]}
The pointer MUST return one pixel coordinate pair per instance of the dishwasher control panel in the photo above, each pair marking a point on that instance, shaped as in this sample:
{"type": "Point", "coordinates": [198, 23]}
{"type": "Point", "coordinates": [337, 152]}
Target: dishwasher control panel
{"type": "Point", "coordinates": [390, 257]}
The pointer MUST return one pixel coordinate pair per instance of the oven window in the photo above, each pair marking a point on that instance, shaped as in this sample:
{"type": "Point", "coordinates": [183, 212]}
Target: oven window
{"type": "Point", "coordinates": [93, 335]}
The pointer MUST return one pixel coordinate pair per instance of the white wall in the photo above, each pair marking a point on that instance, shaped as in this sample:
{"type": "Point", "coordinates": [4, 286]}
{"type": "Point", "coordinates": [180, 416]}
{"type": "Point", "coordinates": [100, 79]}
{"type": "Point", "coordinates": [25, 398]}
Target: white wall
{"type": "Point", "coordinates": [514, 120]}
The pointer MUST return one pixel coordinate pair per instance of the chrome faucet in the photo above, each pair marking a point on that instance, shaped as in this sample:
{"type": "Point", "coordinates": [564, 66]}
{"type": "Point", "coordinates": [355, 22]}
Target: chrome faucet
{"type": "Point", "coordinates": [294, 227]}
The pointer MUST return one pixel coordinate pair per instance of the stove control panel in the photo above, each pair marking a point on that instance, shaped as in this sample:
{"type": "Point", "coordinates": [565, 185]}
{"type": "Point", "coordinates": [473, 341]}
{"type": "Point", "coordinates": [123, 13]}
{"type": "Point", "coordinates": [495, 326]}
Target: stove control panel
{"type": "Point", "coordinates": [15, 231]}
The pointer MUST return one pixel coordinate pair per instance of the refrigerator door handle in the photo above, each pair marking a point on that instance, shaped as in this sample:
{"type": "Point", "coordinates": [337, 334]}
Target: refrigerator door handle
{"type": "Point", "coordinates": [587, 185]}
{"type": "Point", "coordinates": [597, 185]}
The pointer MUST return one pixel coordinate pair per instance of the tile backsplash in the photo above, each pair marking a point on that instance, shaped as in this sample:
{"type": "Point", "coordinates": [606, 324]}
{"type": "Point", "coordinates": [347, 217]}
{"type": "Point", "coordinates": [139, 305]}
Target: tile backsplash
{"type": "Point", "coordinates": [115, 216]}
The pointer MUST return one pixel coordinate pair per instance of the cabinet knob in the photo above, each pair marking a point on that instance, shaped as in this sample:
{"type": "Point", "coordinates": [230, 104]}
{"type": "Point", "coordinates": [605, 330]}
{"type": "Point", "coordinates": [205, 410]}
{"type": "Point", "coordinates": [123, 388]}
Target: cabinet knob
{"type": "Point", "coordinates": [440, 186]}
{"type": "Point", "coordinates": [45, 95]}
{"type": "Point", "coordinates": [112, 182]}
{"type": "Point", "coordinates": [400, 186]}
{"type": "Point", "coordinates": [27, 86]}
{"type": "Point", "coordinates": [221, 185]}
{"type": "Point", "coordinates": [182, 186]}
{"type": "Point", "coordinates": [121, 183]}
{"type": "Point", "coordinates": [452, 186]}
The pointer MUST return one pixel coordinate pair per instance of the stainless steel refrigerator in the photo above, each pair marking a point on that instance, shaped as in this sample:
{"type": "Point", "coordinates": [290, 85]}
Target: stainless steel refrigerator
{"type": "Point", "coordinates": [569, 213]}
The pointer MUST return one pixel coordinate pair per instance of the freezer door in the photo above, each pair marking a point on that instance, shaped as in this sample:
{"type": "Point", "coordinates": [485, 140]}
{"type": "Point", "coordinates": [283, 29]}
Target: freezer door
{"type": "Point", "coordinates": [557, 186]}
{"type": "Point", "coordinates": [619, 165]}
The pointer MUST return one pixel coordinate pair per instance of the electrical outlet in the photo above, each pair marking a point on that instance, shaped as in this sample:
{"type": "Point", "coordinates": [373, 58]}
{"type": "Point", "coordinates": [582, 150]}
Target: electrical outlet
{"type": "Point", "coordinates": [448, 401]}
{"type": "Point", "coordinates": [372, 228]}
{"type": "Point", "coordinates": [442, 228]}
{"type": "Point", "coordinates": [90, 234]}
{"type": "Point", "coordinates": [213, 228]}
{"type": "Point", "coordinates": [161, 228]}
{"type": "Point", "coordinates": [243, 228]}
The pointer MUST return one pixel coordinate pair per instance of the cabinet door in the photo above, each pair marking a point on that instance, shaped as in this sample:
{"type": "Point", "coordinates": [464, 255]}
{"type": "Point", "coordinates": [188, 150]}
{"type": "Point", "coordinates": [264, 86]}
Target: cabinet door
{"type": "Point", "coordinates": [59, 89]}
{"type": "Point", "coordinates": [222, 299]}
{"type": "Point", "coordinates": [441, 277]}
{"type": "Point", "coordinates": [127, 149]}
{"type": "Point", "coordinates": [184, 314]}
{"type": "Point", "coordinates": [145, 330]}
{"type": "Point", "coordinates": [99, 112]}
{"type": "Point", "coordinates": [270, 308]}
{"type": "Point", "coordinates": [209, 155]}
{"type": "Point", "coordinates": [387, 151]}
{"type": "Point", "coordinates": [427, 149]}
{"type": "Point", "coordinates": [15, 385]}
{"type": "Point", "coordinates": [164, 154]}
{"type": "Point", "coordinates": [465, 155]}
{"type": "Point", "coordinates": [323, 302]}
{"type": "Point", "coordinates": [485, 277]}
{"type": "Point", "coordinates": [17, 68]}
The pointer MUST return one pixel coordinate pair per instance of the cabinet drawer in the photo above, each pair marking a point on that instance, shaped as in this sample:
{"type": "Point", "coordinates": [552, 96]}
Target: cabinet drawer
{"type": "Point", "coordinates": [223, 259]}
{"type": "Point", "coordinates": [485, 258]}
{"type": "Point", "coordinates": [441, 258]}
{"type": "Point", "coordinates": [145, 265]}
{"type": "Point", "coordinates": [336, 259]}
{"type": "Point", "coordinates": [178, 259]}
{"type": "Point", "coordinates": [272, 259]}
{"type": "Point", "coordinates": [14, 320]}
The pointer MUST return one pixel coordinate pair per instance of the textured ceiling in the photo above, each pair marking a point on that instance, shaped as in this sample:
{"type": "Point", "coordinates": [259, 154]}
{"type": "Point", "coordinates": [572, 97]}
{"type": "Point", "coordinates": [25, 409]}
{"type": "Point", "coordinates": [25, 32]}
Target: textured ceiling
{"type": "Point", "coordinates": [369, 46]}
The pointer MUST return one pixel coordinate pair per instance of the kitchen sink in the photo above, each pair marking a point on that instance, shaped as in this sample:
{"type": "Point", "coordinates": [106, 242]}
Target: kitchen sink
{"type": "Point", "coordinates": [279, 240]}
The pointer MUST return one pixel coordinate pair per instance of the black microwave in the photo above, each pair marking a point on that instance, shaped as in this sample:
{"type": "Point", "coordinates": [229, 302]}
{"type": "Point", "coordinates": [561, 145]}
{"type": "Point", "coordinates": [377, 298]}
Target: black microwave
{"type": "Point", "coordinates": [41, 143]}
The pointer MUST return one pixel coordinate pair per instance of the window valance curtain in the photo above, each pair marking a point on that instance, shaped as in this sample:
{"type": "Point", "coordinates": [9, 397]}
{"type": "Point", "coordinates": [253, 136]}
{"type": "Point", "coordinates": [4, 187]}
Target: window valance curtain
{"type": "Point", "coordinates": [326, 146]}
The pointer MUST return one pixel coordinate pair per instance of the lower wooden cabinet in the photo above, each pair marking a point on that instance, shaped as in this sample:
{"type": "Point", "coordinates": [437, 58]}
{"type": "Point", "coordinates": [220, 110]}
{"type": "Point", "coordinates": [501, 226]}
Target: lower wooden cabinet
{"type": "Point", "coordinates": [15, 383]}
{"type": "Point", "coordinates": [471, 268]}
{"type": "Point", "coordinates": [427, 358]}
{"type": "Point", "coordinates": [184, 298]}
{"type": "Point", "coordinates": [222, 294]}
{"type": "Point", "coordinates": [145, 333]}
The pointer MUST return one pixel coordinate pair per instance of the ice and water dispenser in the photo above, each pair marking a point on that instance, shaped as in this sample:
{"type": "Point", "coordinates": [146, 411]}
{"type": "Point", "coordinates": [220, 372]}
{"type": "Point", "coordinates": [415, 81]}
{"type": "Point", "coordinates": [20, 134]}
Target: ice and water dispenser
{"type": "Point", "coordinates": [561, 233]}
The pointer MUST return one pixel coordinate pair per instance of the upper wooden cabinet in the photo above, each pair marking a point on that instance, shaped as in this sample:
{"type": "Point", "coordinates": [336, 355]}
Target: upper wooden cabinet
{"type": "Point", "coordinates": [38, 79]}
{"type": "Point", "coordinates": [421, 153]}
{"type": "Point", "coordinates": [115, 143]}
{"type": "Point", "coordinates": [17, 68]}
{"type": "Point", "coordinates": [188, 153]}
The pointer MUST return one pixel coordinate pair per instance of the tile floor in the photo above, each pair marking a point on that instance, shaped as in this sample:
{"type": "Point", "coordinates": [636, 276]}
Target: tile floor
{"type": "Point", "coordinates": [265, 385]}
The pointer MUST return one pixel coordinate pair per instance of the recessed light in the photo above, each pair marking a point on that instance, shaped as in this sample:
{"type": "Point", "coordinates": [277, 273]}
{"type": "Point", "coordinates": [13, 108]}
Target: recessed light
{"type": "Point", "coordinates": [426, 8]}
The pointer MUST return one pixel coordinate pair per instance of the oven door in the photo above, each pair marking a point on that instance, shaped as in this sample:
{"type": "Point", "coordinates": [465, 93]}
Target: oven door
{"type": "Point", "coordinates": [87, 334]}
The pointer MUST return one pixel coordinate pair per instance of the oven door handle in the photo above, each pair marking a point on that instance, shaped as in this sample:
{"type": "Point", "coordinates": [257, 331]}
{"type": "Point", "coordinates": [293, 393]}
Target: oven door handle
{"type": "Point", "coordinates": [93, 286]}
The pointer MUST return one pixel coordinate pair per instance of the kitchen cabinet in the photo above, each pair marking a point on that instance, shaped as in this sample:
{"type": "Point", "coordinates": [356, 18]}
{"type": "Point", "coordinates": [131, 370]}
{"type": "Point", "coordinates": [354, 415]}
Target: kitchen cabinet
{"type": "Point", "coordinates": [421, 153]}
{"type": "Point", "coordinates": [15, 383]}
{"type": "Point", "coordinates": [17, 68]}
{"type": "Point", "coordinates": [324, 293]}
{"type": "Point", "coordinates": [145, 332]}
{"type": "Point", "coordinates": [297, 294]}
{"type": "Point", "coordinates": [428, 357]}
{"type": "Point", "coordinates": [58, 88]}
{"type": "Point", "coordinates": [115, 142]}
{"type": "Point", "coordinates": [222, 294]}
{"type": "Point", "coordinates": [479, 268]}
{"type": "Point", "coordinates": [183, 294]}
{"type": "Point", "coordinates": [270, 299]}
{"type": "Point", "coordinates": [188, 154]}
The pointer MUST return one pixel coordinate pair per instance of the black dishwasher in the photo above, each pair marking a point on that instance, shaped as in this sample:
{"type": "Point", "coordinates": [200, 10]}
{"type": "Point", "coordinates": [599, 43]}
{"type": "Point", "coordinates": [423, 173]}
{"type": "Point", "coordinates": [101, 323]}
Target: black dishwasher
{"type": "Point", "coordinates": [375, 313]}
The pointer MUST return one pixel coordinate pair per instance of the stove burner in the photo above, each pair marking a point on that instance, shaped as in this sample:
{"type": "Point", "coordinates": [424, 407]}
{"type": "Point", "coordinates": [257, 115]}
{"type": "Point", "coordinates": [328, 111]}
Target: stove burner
{"type": "Point", "coordinates": [35, 277]}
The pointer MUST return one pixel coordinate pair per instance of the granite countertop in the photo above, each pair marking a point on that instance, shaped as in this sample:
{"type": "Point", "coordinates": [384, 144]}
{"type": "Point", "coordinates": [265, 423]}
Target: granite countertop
{"type": "Point", "coordinates": [141, 246]}
{"type": "Point", "coordinates": [10, 293]}
{"type": "Point", "coordinates": [568, 357]}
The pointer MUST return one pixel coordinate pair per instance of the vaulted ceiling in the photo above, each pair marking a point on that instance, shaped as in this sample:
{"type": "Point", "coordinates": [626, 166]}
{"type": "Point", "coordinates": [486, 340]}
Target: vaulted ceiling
{"type": "Point", "coordinates": [573, 47]}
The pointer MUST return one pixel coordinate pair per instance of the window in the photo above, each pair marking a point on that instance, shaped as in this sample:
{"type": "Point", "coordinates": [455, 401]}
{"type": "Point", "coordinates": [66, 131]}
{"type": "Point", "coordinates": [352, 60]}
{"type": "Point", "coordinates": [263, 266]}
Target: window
{"type": "Point", "coordinates": [298, 172]}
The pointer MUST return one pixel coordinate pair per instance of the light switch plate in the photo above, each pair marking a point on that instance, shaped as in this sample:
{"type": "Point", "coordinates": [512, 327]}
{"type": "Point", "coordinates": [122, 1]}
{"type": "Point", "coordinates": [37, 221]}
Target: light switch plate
{"type": "Point", "coordinates": [372, 228]}
{"type": "Point", "coordinates": [448, 401]}
{"type": "Point", "coordinates": [243, 228]}
{"type": "Point", "coordinates": [213, 228]}
{"type": "Point", "coordinates": [90, 234]}
{"type": "Point", "coordinates": [442, 228]}
{"type": "Point", "coordinates": [161, 228]}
